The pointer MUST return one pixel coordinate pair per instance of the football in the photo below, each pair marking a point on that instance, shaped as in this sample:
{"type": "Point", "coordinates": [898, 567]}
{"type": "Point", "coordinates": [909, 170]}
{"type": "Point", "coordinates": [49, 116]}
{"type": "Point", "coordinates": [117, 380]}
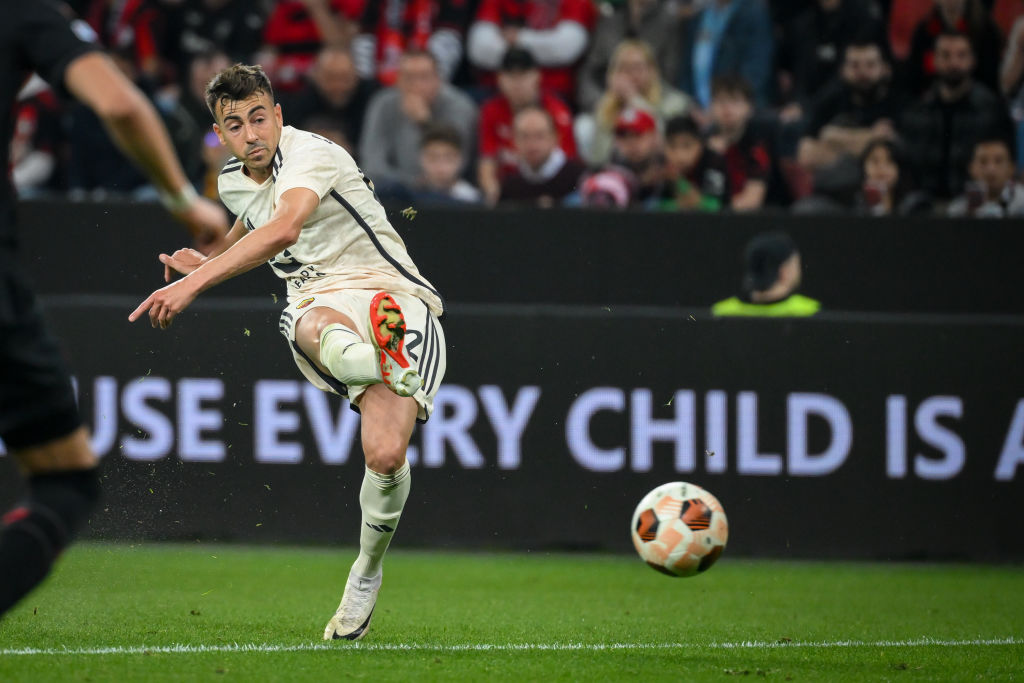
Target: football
{"type": "Point", "coordinates": [679, 529]}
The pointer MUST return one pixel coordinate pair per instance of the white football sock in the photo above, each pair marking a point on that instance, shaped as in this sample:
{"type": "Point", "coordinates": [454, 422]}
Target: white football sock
{"type": "Point", "coordinates": [381, 498]}
{"type": "Point", "coordinates": [348, 357]}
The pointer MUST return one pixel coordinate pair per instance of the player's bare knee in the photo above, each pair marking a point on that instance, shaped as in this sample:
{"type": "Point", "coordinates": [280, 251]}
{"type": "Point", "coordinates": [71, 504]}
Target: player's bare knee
{"type": "Point", "coordinates": [385, 455]}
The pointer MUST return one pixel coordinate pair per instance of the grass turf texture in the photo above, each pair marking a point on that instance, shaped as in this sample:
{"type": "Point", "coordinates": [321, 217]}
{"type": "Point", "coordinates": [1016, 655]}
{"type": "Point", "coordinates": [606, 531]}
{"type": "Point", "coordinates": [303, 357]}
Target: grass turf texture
{"type": "Point", "coordinates": [445, 605]}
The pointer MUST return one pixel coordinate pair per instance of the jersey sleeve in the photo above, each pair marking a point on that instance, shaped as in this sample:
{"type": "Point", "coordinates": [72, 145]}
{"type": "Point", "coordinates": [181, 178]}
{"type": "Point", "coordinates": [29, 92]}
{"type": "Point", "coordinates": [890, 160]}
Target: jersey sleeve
{"type": "Point", "coordinates": [313, 166]}
{"type": "Point", "coordinates": [47, 40]}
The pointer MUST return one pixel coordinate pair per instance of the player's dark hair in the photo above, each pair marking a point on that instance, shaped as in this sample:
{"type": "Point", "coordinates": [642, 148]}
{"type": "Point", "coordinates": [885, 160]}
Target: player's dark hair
{"type": "Point", "coordinates": [441, 133]}
{"type": "Point", "coordinates": [235, 84]}
{"type": "Point", "coordinates": [682, 125]}
{"type": "Point", "coordinates": [732, 84]}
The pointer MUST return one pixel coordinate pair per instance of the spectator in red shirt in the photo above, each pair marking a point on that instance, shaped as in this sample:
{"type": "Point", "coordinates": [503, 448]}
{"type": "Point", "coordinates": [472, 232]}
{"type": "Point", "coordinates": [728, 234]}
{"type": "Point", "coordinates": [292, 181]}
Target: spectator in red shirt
{"type": "Point", "coordinates": [747, 159]}
{"type": "Point", "coordinates": [555, 32]}
{"type": "Point", "coordinates": [297, 29]}
{"type": "Point", "coordinates": [390, 27]}
{"type": "Point", "coordinates": [519, 87]}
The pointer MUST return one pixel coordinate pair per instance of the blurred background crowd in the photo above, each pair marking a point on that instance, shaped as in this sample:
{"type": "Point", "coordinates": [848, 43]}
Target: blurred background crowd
{"type": "Point", "coordinates": [886, 107]}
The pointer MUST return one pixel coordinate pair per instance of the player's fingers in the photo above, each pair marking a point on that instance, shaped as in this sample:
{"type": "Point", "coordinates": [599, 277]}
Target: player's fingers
{"type": "Point", "coordinates": [140, 310]}
{"type": "Point", "coordinates": [167, 273]}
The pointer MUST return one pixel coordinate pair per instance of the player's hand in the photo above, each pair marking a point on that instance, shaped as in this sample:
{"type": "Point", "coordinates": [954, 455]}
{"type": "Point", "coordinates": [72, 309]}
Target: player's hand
{"type": "Point", "coordinates": [165, 303]}
{"type": "Point", "coordinates": [207, 221]}
{"type": "Point", "coordinates": [183, 261]}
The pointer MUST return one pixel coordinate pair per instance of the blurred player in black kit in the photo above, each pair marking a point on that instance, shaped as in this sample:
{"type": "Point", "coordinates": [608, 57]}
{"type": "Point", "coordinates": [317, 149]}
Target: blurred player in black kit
{"type": "Point", "coordinates": [39, 420]}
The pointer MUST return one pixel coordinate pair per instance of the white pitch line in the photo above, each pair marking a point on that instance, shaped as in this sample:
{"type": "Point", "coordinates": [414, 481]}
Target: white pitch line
{"type": "Point", "coordinates": [507, 647]}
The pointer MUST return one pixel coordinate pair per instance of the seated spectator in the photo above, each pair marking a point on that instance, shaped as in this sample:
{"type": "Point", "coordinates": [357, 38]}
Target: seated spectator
{"type": "Point", "coordinates": [555, 32]}
{"type": "Point", "coordinates": [638, 147]}
{"type": "Point", "coordinates": [545, 174]}
{"type": "Point", "coordinates": [332, 89]}
{"type": "Point", "coordinates": [390, 27]}
{"type": "Point", "coordinates": [695, 178]}
{"type": "Point", "coordinates": [395, 118]}
{"type": "Point", "coordinates": [815, 41]}
{"type": "Point", "coordinates": [633, 82]}
{"type": "Point", "coordinates": [297, 30]}
{"type": "Point", "coordinates": [440, 161]}
{"type": "Point", "coordinates": [967, 17]}
{"type": "Point", "coordinates": [937, 130]}
{"type": "Point", "coordinates": [651, 22]}
{"type": "Point", "coordinates": [887, 184]}
{"type": "Point", "coordinates": [518, 86]}
{"type": "Point", "coordinates": [747, 158]}
{"type": "Point", "coordinates": [858, 107]}
{"type": "Point", "coordinates": [195, 27]}
{"type": "Point", "coordinates": [771, 277]}
{"type": "Point", "coordinates": [992, 191]}
{"type": "Point", "coordinates": [727, 37]}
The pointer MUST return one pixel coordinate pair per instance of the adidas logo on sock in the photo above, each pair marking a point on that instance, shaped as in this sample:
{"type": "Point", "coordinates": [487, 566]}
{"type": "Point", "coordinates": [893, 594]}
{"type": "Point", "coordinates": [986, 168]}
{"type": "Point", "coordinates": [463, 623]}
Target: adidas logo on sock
{"type": "Point", "coordinates": [380, 527]}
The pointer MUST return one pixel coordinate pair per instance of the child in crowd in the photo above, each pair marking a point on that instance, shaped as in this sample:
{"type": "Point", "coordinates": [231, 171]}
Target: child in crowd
{"type": "Point", "coordinates": [992, 191]}
{"type": "Point", "coordinates": [695, 177]}
{"type": "Point", "coordinates": [440, 161]}
{"type": "Point", "coordinates": [747, 157]}
{"type": "Point", "coordinates": [887, 187]}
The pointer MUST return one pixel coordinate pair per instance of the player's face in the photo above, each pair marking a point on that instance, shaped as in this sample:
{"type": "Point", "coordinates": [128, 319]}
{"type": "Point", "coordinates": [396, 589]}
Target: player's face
{"type": "Point", "coordinates": [251, 129]}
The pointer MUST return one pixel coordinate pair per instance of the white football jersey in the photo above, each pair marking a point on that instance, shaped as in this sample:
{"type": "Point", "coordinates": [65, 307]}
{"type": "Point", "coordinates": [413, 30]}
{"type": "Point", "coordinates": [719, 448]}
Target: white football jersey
{"type": "Point", "coordinates": [347, 242]}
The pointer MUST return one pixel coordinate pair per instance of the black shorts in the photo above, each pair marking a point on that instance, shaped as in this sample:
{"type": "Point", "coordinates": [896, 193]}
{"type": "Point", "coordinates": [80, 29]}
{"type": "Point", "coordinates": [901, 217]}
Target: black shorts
{"type": "Point", "coordinates": [37, 403]}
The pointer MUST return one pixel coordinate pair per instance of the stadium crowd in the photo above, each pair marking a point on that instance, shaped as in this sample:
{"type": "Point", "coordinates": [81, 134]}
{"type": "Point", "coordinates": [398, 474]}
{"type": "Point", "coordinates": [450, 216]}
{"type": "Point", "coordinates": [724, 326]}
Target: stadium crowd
{"type": "Point", "coordinates": [885, 107]}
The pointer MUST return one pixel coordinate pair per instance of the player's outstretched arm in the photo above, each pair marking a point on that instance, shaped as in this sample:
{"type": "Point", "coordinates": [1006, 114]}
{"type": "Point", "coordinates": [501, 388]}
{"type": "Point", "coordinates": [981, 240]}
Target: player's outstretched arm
{"type": "Point", "coordinates": [253, 249]}
{"type": "Point", "coordinates": [136, 127]}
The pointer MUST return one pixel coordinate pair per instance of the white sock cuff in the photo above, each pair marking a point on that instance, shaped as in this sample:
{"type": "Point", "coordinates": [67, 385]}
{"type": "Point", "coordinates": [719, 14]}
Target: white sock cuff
{"type": "Point", "coordinates": [338, 327]}
{"type": "Point", "coordinates": [386, 482]}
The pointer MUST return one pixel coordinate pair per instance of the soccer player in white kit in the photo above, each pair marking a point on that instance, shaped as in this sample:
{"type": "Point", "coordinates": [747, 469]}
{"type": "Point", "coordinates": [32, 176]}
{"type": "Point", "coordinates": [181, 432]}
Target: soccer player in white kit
{"type": "Point", "coordinates": [361, 320]}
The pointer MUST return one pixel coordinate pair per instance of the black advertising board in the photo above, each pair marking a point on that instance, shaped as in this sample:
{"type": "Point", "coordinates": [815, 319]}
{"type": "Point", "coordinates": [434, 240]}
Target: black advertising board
{"type": "Point", "coordinates": [856, 437]}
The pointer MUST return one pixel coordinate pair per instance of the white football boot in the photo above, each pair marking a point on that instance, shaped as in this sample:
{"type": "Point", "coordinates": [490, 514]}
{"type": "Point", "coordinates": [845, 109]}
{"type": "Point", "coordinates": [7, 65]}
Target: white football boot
{"type": "Point", "coordinates": [388, 326]}
{"type": "Point", "coordinates": [352, 619]}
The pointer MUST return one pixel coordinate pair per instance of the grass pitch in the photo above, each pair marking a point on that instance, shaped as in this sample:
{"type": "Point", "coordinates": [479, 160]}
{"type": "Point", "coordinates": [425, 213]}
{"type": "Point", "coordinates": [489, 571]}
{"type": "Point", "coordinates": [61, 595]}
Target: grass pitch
{"type": "Point", "coordinates": [173, 612]}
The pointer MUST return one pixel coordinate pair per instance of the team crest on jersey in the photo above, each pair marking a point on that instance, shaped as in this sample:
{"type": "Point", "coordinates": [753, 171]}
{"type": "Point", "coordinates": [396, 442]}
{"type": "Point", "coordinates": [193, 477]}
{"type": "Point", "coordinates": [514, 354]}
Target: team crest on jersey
{"type": "Point", "coordinates": [305, 302]}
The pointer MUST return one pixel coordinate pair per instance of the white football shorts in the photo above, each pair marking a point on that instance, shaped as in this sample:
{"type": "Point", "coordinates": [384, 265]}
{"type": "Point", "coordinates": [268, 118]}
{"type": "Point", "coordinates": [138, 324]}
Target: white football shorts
{"type": "Point", "coordinates": [424, 342]}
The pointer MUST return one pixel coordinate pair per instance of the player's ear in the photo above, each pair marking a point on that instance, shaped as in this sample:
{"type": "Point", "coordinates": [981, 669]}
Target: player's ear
{"type": "Point", "coordinates": [220, 136]}
{"type": "Point", "coordinates": [277, 114]}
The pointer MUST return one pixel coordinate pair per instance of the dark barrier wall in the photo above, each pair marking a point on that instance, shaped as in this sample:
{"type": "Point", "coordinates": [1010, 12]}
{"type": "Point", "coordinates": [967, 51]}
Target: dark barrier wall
{"type": "Point", "coordinates": [598, 258]}
{"type": "Point", "coordinates": [822, 438]}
